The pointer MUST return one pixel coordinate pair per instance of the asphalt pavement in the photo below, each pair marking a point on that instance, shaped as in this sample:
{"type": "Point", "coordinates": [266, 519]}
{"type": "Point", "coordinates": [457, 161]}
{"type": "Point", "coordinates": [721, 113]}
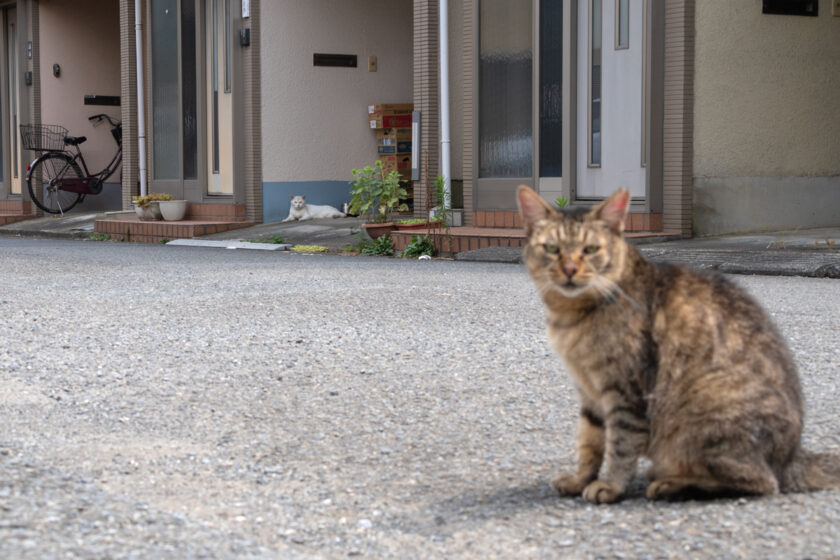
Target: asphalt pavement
{"type": "Point", "coordinates": [805, 252]}
{"type": "Point", "coordinates": [179, 403]}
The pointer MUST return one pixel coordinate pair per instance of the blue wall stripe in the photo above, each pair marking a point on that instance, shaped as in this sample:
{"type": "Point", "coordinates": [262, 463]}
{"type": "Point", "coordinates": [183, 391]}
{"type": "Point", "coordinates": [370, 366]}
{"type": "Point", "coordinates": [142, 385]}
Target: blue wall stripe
{"type": "Point", "coordinates": [276, 196]}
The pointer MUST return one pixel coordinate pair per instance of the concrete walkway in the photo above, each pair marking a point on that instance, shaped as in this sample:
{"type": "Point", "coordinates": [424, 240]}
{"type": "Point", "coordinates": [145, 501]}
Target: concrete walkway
{"type": "Point", "coordinates": [807, 252]}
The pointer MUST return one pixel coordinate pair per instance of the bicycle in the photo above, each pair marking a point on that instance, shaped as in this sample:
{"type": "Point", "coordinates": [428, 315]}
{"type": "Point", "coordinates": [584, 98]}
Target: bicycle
{"type": "Point", "coordinates": [55, 179]}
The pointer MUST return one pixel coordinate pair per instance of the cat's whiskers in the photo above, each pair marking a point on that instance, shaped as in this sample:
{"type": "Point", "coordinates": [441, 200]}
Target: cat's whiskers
{"type": "Point", "coordinates": [605, 291]}
{"type": "Point", "coordinates": [614, 289]}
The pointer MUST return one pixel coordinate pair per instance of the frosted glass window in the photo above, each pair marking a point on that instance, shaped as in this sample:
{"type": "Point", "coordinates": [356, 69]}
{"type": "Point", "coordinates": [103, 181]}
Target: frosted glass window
{"type": "Point", "coordinates": [622, 24]}
{"type": "Point", "coordinates": [227, 46]}
{"type": "Point", "coordinates": [595, 84]}
{"type": "Point", "coordinates": [165, 100]}
{"type": "Point", "coordinates": [505, 129]}
{"type": "Point", "coordinates": [214, 80]}
{"type": "Point", "coordinates": [551, 88]}
{"type": "Point", "coordinates": [189, 90]}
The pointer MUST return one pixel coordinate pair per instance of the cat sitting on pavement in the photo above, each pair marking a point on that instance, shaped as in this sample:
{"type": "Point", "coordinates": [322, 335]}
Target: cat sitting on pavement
{"type": "Point", "coordinates": [678, 365]}
{"type": "Point", "coordinates": [299, 211]}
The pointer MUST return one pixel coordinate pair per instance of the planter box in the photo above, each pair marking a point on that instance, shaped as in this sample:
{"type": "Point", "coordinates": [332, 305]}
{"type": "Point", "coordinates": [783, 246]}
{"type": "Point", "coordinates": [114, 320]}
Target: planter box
{"type": "Point", "coordinates": [418, 227]}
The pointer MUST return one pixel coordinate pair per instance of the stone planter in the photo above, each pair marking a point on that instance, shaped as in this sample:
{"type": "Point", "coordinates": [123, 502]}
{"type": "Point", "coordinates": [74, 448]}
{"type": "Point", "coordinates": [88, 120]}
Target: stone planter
{"type": "Point", "coordinates": [173, 210]}
{"type": "Point", "coordinates": [148, 213]}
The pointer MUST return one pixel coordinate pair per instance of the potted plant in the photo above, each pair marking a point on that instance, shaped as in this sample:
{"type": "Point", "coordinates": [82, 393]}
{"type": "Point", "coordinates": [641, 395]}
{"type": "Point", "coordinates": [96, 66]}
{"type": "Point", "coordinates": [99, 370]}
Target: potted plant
{"type": "Point", "coordinates": [375, 195]}
{"type": "Point", "coordinates": [173, 210]}
{"type": "Point", "coordinates": [417, 224]}
{"type": "Point", "coordinates": [148, 207]}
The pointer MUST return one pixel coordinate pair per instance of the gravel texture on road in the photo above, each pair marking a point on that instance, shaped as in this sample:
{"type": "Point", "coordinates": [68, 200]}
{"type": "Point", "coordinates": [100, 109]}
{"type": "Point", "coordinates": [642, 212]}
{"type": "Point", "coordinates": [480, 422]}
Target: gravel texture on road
{"type": "Point", "coordinates": [175, 402]}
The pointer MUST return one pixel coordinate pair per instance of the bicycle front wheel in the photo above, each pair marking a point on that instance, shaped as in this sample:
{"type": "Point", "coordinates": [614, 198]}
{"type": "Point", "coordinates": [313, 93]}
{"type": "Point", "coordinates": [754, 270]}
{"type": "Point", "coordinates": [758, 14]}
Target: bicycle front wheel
{"type": "Point", "coordinates": [44, 182]}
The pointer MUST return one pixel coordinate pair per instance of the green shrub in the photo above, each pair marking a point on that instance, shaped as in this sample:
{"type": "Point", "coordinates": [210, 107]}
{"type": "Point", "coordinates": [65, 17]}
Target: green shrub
{"type": "Point", "coordinates": [418, 246]}
{"type": "Point", "coordinates": [376, 194]}
{"type": "Point", "coordinates": [561, 202]}
{"type": "Point", "coordinates": [382, 247]}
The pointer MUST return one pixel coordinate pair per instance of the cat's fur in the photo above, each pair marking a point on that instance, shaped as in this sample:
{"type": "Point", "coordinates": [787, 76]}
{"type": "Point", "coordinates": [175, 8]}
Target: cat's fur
{"type": "Point", "coordinates": [680, 366]}
{"type": "Point", "coordinates": [299, 210]}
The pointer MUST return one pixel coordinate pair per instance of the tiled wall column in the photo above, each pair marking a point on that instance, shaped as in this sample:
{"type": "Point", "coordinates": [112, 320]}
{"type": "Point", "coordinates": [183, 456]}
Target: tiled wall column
{"type": "Point", "coordinates": [426, 96]}
{"type": "Point", "coordinates": [252, 125]}
{"type": "Point", "coordinates": [678, 126]}
{"type": "Point", "coordinates": [128, 103]}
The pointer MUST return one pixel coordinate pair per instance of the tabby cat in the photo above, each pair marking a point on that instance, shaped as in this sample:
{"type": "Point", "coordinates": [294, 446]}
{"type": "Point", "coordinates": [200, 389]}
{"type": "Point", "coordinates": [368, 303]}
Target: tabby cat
{"type": "Point", "coordinates": [680, 366]}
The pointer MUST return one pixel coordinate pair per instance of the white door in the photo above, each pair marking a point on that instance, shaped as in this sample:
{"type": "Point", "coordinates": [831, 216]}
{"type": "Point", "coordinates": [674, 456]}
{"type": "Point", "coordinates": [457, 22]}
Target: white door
{"type": "Point", "coordinates": [220, 98]}
{"type": "Point", "coordinates": [610, 98]}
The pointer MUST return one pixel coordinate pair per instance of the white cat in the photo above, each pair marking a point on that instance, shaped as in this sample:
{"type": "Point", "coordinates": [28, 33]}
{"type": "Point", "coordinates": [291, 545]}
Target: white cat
{"type": "Point", "coordinates": [299, 210]}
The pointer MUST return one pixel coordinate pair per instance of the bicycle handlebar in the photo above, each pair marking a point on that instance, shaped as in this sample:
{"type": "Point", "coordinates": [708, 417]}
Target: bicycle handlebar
{"type": "Point", "coordinates": [98, 118]}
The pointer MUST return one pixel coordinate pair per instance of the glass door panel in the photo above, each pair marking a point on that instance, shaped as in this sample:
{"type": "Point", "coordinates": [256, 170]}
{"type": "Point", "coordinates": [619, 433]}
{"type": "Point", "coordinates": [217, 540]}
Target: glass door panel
{"type": "Point", "coordinates": [505, 66]}
{"type": "Point", "coordinates": [505, 101]}
{"type": "Point", "coordinates": [175, 128]}
{"type": "Point", "coordinates": [165, 90]}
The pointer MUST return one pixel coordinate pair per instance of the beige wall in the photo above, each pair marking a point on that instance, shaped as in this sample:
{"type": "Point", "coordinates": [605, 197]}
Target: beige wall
{"type": "Point", "coordinates": [767, 92]}
{"type": "Point", "coordinates": [766, 132]}
{"type": "Point", "coordinates": [313, 118]}
{"type": "Point", "coordinates": [82, 36]}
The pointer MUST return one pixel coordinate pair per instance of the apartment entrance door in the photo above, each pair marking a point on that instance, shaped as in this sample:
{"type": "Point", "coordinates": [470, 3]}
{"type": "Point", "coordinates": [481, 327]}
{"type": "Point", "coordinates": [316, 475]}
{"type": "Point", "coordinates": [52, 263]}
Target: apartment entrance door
{"type": "Point", "coordinates": [610, 98]}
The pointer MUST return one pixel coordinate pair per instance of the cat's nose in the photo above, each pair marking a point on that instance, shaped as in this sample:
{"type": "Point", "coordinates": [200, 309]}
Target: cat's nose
{"type": "Point", "coordinates": [569, 269]}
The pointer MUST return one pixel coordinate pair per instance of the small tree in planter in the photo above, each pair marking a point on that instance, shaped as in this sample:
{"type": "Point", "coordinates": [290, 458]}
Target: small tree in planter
{"type": "Point", "coordinates": [376, 195]}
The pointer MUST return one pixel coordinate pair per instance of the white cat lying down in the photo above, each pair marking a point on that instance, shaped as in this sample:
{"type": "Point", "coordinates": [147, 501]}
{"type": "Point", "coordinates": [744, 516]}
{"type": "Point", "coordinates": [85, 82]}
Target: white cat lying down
{"type": "Point", "coordinates": [299, 210]}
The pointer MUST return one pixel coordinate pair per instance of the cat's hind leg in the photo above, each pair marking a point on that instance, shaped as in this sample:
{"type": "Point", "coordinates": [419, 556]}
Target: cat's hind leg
{"type": "Point", "coordinates": [717, 476]}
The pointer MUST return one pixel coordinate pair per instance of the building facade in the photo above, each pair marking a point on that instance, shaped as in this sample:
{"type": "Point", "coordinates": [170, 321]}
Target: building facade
{"type": "Point", "coordinates": [717, 115]}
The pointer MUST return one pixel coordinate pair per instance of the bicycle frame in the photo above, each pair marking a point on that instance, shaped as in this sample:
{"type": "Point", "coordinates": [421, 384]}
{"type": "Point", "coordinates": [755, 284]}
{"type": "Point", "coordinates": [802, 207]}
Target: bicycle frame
{"type": "Point", "coordinates": [90, 183]}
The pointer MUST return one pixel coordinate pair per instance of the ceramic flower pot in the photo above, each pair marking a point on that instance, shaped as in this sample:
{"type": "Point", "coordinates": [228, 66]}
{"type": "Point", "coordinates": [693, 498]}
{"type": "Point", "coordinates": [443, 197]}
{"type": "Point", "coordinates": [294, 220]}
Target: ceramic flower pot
{"type": "Point", "coordinates": [173, 210]}
{"type": "Point", "coordinates": [377, 230]}
{"type": "Point", "coordinates": [148, 213]}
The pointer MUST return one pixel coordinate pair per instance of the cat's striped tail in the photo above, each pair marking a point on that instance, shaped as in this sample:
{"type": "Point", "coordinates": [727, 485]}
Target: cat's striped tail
{"type": "Point", "coordinates": [812, 471]}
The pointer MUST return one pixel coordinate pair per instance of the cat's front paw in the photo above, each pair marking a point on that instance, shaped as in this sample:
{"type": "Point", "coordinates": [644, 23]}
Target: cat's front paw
{"type": "Point", "coordinates": [601, 492]}
{"type": "Point", "coordinates": [570, 484]}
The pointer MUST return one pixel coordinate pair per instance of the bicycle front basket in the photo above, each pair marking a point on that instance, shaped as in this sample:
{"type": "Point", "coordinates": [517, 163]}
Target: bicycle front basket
{"type": "Point", "coordinates": [42, 137]}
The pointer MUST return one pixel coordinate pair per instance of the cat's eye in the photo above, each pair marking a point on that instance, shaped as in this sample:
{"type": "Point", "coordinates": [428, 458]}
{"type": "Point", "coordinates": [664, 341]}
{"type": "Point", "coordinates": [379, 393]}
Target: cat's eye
{"type": "Point", "coordinates": [591, 249]}
{"type": "Point", "coordinates": [553, 249]}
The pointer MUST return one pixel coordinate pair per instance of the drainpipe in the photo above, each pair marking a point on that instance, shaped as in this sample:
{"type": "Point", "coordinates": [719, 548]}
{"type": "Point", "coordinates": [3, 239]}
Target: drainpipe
{"type": "Point", "coordinates": [443, 35]}
{"type": "Point", "coordinates": [141, 106]}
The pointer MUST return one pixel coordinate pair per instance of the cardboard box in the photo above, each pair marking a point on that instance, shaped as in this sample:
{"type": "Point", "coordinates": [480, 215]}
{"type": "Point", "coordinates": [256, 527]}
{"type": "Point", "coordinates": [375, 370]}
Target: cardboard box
{"type": "Point", "coordinates": [389, 119]}
{"type": "Point", "coordinates": [393, 141]}
{"type": "Point", "coordinates": [396, 162]}
{"type": "Point", "coordinates": [397, 108]}
{"type": "Point", "coordinates": [396, 134]}
{"type": "Point", "coordinates": [390, 115]}
{"type": "Point", "coordinates": [395, 148]}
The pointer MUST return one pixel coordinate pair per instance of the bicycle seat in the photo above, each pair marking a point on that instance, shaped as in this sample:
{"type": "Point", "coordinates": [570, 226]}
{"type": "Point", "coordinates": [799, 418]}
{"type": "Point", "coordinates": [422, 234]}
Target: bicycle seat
{"type": "Point", "coordinates": [74, 140]}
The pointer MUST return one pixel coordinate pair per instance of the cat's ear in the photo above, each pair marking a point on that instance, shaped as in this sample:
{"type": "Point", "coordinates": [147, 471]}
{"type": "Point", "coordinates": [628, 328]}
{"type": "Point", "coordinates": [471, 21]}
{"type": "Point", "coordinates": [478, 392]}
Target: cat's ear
{"type": "Point", "coordinates": [614, 209]}
{"type": "Point", "coordinates": [532, 207]}
{"type": "Point", "coordinates": [292, 197]}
